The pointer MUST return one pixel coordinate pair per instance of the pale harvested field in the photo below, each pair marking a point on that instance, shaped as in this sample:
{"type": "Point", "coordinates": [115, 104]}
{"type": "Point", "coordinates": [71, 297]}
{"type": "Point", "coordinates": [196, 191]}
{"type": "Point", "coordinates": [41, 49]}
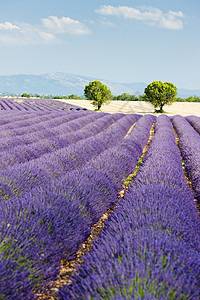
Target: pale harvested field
{"type": "Point", "coordinates": [140, 107]}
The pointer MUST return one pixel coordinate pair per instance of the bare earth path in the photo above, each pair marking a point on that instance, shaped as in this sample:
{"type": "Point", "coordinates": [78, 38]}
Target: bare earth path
{"type": "Point", "coordinates": [141, 107]}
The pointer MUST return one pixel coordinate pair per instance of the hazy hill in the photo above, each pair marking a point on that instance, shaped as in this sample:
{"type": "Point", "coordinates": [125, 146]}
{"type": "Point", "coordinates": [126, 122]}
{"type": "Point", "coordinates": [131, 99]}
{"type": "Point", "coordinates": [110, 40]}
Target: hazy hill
{"type": "Point", "coordinates": [65, 84]}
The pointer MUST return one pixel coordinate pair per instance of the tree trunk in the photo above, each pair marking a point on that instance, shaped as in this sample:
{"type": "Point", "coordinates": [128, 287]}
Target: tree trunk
{"type": "Point", "coordinates": [161, 108]}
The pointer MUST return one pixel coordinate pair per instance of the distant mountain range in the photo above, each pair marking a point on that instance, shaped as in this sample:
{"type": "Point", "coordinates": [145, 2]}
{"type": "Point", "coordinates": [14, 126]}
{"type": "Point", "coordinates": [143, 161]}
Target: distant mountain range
{"type": "Point", "coordinates": [66, 84]}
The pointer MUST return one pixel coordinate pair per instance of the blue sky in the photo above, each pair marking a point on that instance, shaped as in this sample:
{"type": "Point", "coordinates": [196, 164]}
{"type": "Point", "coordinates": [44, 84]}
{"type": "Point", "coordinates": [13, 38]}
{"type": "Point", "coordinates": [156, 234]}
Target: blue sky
{"type": "Point", "coordinates": [122, 41]}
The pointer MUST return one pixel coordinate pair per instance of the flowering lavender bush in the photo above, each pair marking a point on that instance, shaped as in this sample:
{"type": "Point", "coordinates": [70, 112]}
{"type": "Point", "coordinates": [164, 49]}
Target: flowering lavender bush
{"type": "Point", "coordinates": [62, 170]}
{"type": "Point", "coordinates": [35, 124]}
{"type": "Point", "coordinates": [16, 105]}
{"type": "Point", "coordinates": [50, 140]}
{"type": "Point", "coordinates": [189, 143]}
{"type": "Point", "coordinates": [52, 166]}
{"type": "Point", "coordinates": [48, 219]}
{"type": "Point", "coordinates": [34, 132]}
{"type": "Point", "coordinates": [150, 246]}
{"type": "Point", "coordinates": [195, 122]}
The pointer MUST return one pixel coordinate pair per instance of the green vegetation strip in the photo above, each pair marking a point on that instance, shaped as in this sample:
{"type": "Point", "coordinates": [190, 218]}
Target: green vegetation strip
{"type": "Point", "coordinates": [132, 176]}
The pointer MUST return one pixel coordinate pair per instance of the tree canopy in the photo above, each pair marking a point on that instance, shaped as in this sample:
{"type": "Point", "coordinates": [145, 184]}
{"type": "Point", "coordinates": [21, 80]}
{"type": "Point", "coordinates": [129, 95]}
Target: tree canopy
{"type": "Point", "coordinates": [126, 97]}
{"type": "Point", "coordinates": [26, 95]}
{"type": "Point", "coordinates": [98, 93]}
{"type": "Point", "coordinates": [159, 94]}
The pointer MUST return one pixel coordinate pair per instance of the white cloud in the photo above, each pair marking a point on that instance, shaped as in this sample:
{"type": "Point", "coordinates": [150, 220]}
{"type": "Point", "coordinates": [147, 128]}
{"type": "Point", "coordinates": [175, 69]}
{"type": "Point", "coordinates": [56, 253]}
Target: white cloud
{"type": "Point", "coordinates": [27, 34]}
{"type": "Point", "coordinates": [65, 25]}
{"type": "Point", "coordinates": [172, 20]}
{"type": "Point", "coordinates": [49, 31]}
{"type": "Point", "coordinates": [47, 36]}
{"type": "Point", "coordinates": [150, 15]}
{"type": "Point", "coordinates": [8, 26]}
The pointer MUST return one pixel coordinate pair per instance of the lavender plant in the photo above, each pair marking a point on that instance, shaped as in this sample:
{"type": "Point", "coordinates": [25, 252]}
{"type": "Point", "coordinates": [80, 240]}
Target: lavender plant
{"type": "Point", "coordinates": [53, 218]}
{"type": "Point", "coordinates": [24, 104]}
{"type": "Point", "coordinates": [52, 166]}
{"type": "Point", "coordinates": [150, 246]}
{"type": "Point", "coordinates": [49, 141]}
{"type": "Point", "coordinates": [189, 143]}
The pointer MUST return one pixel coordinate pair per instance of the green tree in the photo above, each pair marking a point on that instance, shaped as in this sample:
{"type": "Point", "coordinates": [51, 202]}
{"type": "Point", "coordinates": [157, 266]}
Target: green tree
{"type": "Point", "coordinates": [98, 93]}
{"type": "Point", "coordinates": [126, 97]}
{"type": "Point", "coordinates": [25, 95]}
{"type": "Point", "coordinates": [159, 94]}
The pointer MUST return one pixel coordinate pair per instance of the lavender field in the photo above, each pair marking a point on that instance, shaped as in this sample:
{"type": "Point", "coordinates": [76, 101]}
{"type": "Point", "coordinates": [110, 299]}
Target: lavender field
{"type": "Point", "coordinates": [63, 167]}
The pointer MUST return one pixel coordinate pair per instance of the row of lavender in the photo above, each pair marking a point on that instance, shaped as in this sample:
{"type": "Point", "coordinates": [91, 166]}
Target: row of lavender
{"type": "Point", "coordinates": [24, 143]}
{"type": "Point", "coordinates": [189, 143]}
{"type": "Point", "coordinates": [150, 246]}
{"type": "Point", "coordinates": [21, 124]}
{"type": "Point", "coordinates": [23, 131]}
{"type": "Point", "coordinates": [33, 127]}
{"type": "Point", "coordinates": [36, 139]}
{"type": "Point", "coordinates": [27, 104]}
{"type": "Point", "coordinates": [50, 166]}
{"type": "Point", "coordinates": [59, 198]}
